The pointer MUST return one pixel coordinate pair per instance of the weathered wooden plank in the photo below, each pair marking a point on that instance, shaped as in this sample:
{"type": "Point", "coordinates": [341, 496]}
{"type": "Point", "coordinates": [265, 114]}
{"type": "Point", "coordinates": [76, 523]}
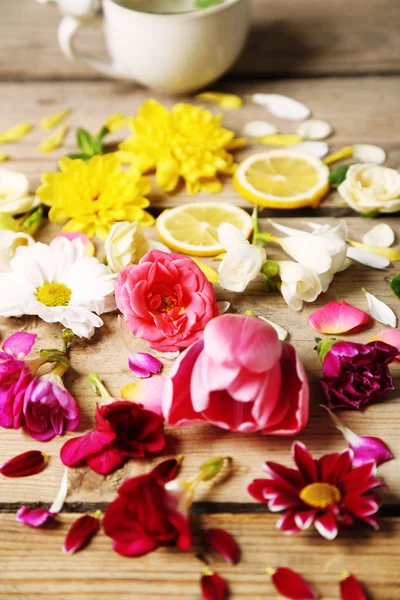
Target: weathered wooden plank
{"type": "Point", "coordinates": [336, 100]}
{"type": "Point", "coordinates": [105, 355]}
{"type": "Point", "coordinates": [33, 565]}
{"type": "Point", "coordinates": [291, 38]}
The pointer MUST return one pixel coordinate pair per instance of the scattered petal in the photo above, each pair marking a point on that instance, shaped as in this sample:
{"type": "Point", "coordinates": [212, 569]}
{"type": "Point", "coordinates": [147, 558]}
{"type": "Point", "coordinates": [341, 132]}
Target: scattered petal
{"type": "Point", "coordinates": [147, 392]}
{"type": "Point", "coordinates": [315, 129]}
{"type": "Point", "coordinates": [292, 585]}
{"type": "Point", "coordinates": [381, 235]}
{"type": "Point", "coordinates": [3, 156]}
{"type": "Point", "coordinates": [369, 259]}
{"type": "Point", "coordinates": [115, 122]}
{"type": "Point", "coordinates": [341, 154]}
{"type": "Point", "coordinates": [52, 120]}
{"type": "Point", "coordinates": [368, 153]}
{"type": "Point", "coordinates": [365, 449]}
{"type": "Point", "coordinates": [287, 230]}
{"type": "Point", "coordinates": [221, 541]}
{"type": "Point", "coordinates": [213, 587]}
{"type": "Point", "coordinates": [208, 271]}
{"type": "Point", "coordinates": [34, 517]}
{"type": "Point", "coordinates": [81, 532]}
{"type": "Point", "coordinates": [283, 106]}
{"type": "Point", "coordinates": [351, 589]}
{"type": "Point", "coordinates": [282, 333]}
{"type": "Point", "coordinates": [168, 470]}
{"type": "Point", "coordinates": [380, 311]}
{"type": "Point", "coordinates": [90, 249]}
{"type": "Point", "coordinates": [223, 307]}
{"type": "Point", "coordinates": [279, 139]}
{"type": "Point", "coordinates": [15, 133]}
{"type": "Point", "coordinates": [390, 254]}
{"type": "Point", "coordinates": [58, 503]}
{"type": "Point", "coordinates": [337, 317]}
{"type": "Point", "coordinates": [389, 336]}
{"type": "Point", "coordinates": [227, 101]}
{"type": "Point", "coordinates": [318, 149]}
{"type": "Point", "coordinates": [25, 464]}
{"type": "Point", "coordinates": [54, 141]}
{"type": "Point", "coordinates": [144, 365]}
{"type": "Point", "coordinates": [256, 129]}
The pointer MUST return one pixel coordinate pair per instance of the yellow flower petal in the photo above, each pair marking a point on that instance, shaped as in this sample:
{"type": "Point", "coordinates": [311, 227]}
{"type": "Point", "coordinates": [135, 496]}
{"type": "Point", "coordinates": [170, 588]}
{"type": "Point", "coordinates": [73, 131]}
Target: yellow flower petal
{"type": "Point", "coordinates": [227, 101]}
{"type": "Point", "coordinates": [209, 272]}
{"type": "Point", "coordinates": [279, 139]}
{"type": "Point", "coordinates": [345, 152]}
{"type": "Point", "coordinates": [116, 121]}
{"type": "Point", "coordinates": [54, 119]}
{"type": "Point", "coordinates": [3, 156]}
{"type": "Point", "coordinates": [54, 141]}
{"type": "Point", "coordinates": [131, 391]}
{"type": "Point", "coordinates": [15, 133]}
{"type": "Point", "coordinates": [390, 253]}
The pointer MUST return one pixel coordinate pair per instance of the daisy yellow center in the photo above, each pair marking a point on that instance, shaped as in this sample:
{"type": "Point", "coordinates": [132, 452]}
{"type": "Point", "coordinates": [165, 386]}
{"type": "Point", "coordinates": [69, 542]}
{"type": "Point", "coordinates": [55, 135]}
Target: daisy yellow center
{"type": "Point", "coordinates": [320, 495]}
{"type": "Point", "coordinates": [53, 294]}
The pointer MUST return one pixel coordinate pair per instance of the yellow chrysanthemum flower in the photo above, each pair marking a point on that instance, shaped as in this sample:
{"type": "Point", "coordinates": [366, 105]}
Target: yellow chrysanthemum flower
{"type": "Point", "coordinates": [187, 142]}
{"type": "Point", "coordinates": [94, 195]}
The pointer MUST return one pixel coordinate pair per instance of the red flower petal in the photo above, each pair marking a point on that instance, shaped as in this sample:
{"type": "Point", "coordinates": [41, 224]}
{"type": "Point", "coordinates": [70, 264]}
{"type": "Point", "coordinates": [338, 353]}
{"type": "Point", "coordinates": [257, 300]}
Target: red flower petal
{"type": "Point", "coordinates": [351, 589]}
{"type": "Point", "coordinates": [223, 543]}
{"type": "Point", "coordinates": [213, 587]}
{"type": "Point", "coordinates": [291, 585]}
{"type": "Point", "coordinates": [167, 470]}
{"type": "Point", "coordinates": [337, 317]}
{"type": "Point", "coordinates": [28, 463]}
{"type": "Point", "coordinates": [81, 532]}
{"type": "Point", "coordinates": [326, 525]}
{"type": "Point", "coordinates": [305, 462]}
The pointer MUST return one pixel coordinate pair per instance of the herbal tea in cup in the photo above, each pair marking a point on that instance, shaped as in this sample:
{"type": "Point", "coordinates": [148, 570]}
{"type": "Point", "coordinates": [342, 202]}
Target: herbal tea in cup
{"type": "Point", "coordinates": [167, 7]}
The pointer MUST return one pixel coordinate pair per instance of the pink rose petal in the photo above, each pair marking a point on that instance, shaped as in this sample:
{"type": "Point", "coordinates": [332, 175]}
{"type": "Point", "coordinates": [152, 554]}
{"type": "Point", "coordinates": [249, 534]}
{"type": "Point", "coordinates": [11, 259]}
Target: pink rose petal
{"type": "Point", "coordinates": [291, 585]}
{"type": "Point", "coordinates": [337, 317]}
{"type": "Point", "coordinates": [18, 345]}
{"type": "Point", "coordinates": [351, 589]}
{"type": "Point", "coordinates": [223, 542]}
{"type": "Point", "coordinates": [144, 365]}
{"type": "Point", "coordinates": [147, 392]}
{"type": "Point", "coordinates": [90, 250]}
{"type": "Point", "coordinates": [389, 336]}
{"type": "Point", "coordinates": [81, 532]}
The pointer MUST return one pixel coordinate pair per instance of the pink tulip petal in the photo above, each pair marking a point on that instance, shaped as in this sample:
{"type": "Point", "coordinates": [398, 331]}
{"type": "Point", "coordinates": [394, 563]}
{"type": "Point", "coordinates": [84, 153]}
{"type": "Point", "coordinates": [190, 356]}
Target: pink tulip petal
{"type": "Point", "coordinates": [338, 317]}
{"type": "Point", "coordinates": [292, 585]}
{"type": "Point", "coordinates": [23, 465]}
{"type": "Point", "coordinates": [213, 587]}
{"type": "Point", "coordinates": [144, 365]}
{"type": "Point", "coordinates": [389, 336]}
{"type": "Point", "coordinates": [34, 517]}
{"type": "Point", "coordinates": [81, 532]}
{"type": "Point", "coordinates": [90, 250]}
{"type": "Point", "coordinates": [19, 344]}
{"type": "Point", "coordinates": [351, 589]}
{"type": "Point", "coordinates": [223, 542]}
{"type": "Point", "coordinates": [147, 392]}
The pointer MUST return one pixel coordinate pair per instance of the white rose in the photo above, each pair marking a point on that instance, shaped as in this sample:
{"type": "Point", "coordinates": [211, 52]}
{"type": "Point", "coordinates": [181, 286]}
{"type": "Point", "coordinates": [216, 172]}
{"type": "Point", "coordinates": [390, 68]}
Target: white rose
{"type": "Point", "coordinates": [371, 188]}
{"type": "Point", "coordinates": [299, 284]}
{"type": "Point", "coordinates": [9, 242]}
{"type": "Point", "coordinates": [242, 262]}
{"type": "Point", "coordinates": [14, 193]}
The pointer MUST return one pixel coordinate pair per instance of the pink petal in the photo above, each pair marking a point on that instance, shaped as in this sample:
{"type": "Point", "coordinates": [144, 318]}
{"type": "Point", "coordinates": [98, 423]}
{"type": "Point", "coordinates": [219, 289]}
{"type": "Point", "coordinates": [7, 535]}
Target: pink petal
{"type": "Point", "coordinates": [223, 542]}
{"type": "Point", "coordinates": [73, 235]}
{"type": "Point", "coordinates": [144, 365]}
{"type": "Point", "coordinates": [28, 463]}
{"type": "Point", "coordinates": [147, 392]}
{"type": "Point", "coordinates": [213, 587]}
{"type": "Point", "coordinates": [351, 589]}
{"type": "Point", "coordinates": [35, 517]}
{"type": "Point", "coordinates": [292, 585]}
{"type": "Point", "coordinates": [389, 336]}
{"type": "Point", "coordinates": [19, 344]}
{"type": "Point", "coordinates": [337, 317]}
{"type": "Point", "coordinates": [81, 532]}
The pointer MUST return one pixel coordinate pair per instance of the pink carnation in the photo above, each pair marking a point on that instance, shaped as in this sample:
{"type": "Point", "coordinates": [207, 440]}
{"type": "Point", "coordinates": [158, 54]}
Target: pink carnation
{"type": "Point", "coordinates": [166, 300]}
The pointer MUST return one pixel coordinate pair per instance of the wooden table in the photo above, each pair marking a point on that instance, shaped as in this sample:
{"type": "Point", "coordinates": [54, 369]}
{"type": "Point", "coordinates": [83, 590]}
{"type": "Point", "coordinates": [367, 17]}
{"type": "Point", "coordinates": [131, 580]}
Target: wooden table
{"type": "Point", "coordinates": [343, 60]}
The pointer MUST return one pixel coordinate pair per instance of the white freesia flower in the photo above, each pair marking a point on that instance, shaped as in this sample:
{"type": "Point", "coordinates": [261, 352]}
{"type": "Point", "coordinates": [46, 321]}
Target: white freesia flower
{"type": "Point", "coordinates": [371, 188]}
{"type": "Point", "coordinates": [59, 284]}
{"type": "Point", "coordinates": [9, 242]}
{"type": "Point", "coordinates": [323, 250]}
{"type": "Point", "coordinates": [242, 262]}
{"type": "Point", "coordinates": [14, 193]}
{"type": "Point", "coordinates": [126, 244]}
{"type": "Point", "coordinates": [299, 284]}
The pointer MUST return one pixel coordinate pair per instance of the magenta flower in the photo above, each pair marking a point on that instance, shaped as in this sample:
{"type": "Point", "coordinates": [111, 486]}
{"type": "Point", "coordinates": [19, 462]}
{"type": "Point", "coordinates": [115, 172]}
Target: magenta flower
{"type": "Point", "coordinates": [329, 492]}
{"type": "Point", "coordinates": [356, 374]}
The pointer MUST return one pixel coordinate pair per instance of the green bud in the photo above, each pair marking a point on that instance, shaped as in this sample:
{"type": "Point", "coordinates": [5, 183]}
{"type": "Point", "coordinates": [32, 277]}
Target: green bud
{"type": "Point", "coordinates": [270, 268]}
{"type": "Point", "coordinates": [55, 356]}
{"type": "Point", "coordinates": [324, 346]}
{"type": "Point", "coordinates": [212, 467]}
{"type": "Point", "coordinates": [67, 336]}
{"type": "Point", "coordinates": [33, 221]}
{"type": "Point", "coordinates": [98, 386]}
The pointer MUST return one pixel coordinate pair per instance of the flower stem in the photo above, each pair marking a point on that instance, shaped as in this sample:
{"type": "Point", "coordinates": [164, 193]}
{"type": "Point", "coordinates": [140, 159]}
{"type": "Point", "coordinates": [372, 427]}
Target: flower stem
{"type": "Point", "coordinates": [61, 368]}
{"type": "Point", "coordinates": [256, 226]}
{"type": "Point", "coordinates": [98, 386]}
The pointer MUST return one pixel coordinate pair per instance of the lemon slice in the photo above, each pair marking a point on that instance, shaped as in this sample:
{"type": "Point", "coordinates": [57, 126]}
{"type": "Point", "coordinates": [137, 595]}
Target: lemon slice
{"type": "Point", "coordinates": [193, 228]}
{"type": "Point", "coordinates": [282, 179]}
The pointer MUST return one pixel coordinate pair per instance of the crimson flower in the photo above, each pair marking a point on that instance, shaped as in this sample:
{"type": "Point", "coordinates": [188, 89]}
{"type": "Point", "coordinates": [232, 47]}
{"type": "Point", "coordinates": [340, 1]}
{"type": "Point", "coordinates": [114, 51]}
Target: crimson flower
{"type": "Point", "coordinates": [329, 492]}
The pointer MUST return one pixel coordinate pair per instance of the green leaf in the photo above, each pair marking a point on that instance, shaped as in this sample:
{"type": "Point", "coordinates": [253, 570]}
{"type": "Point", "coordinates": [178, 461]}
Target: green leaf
{"type": "Point", "coordinates": [98, 141]}
{"type": "Point", "coordinates": [207, 3]}
{"type": "Point", "coordinates": [85, 141]}
{"type": "Point", "coordinates": [77, 156]}
{"type": "Point", "coordinates": [338, 175]}
{"type": "Point", "coordinates": [32, 223]}
{"type": "Point", "coordinates": [395, 285]}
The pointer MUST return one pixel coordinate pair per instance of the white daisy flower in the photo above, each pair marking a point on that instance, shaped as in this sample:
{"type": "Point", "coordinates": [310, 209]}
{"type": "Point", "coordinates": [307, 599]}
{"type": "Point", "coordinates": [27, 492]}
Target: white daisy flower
{"type": "Point", "coordinates": [14, 193]}
{"type": "Point", "coordinates": [59, 284]}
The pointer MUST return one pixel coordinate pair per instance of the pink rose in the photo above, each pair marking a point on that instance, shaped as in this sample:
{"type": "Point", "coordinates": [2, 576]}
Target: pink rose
{"type": "Point", "coordinates": [241, 377]}
{"type": "Point", "coordinates": [166, 300]}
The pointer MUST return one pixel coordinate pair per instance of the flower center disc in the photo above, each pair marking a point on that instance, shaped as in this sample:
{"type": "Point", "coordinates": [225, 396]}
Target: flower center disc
{"type": "Point", "coordinates": [320, 495]}
{"type": "Point", "coordinates": [53, 294]}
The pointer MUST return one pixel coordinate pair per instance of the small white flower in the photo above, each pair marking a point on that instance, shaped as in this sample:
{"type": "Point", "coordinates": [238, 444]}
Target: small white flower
{"type": "Point", "coordinates": [370, 188]}
{"type": "Point", "coordinates": [242, 262]}
{"type": "Point", "coordinates": [14, 193]}
{"type": "Point", "coordinates": [9, 242]}
{"type": "Point", "coordinates": [299, 284]}
{"type": "Point", "coordinates": [59, 284]}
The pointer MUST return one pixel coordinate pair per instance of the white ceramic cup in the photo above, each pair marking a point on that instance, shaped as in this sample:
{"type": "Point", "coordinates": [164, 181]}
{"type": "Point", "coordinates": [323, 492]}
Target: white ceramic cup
{"type": "Point", "coordinates": [175, 53]}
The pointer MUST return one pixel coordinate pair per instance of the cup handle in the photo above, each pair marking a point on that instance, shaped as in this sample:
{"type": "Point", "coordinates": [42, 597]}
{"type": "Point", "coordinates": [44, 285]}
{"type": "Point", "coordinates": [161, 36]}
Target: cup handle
{"type": "Point", "coordinates": [67, 31]}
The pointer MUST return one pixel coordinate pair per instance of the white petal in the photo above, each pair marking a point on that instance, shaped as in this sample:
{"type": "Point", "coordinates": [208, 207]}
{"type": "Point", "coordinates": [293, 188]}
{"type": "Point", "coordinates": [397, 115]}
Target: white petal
{"type": "Point", "coordinates": [369, 259]}
{"type": "Point", "coordinates": [291, 299]}
{"type": "Point", "coordinates": [380, 311]}
{"type": "Point", "coordinates": [283, 106]}
{"type": "Point", "coordinates": [282, 333]}
{"type": "Point", "coordinates": [381, 235]}
{"type": "Point", "coordinates": [223, 307]}
{"type": "Point", "coordinates": [287, 230]}
{"type": "Point", "coordinates": [314, 129]}
{"type": "Point", "coordinates": [230, 236]}
{"type": "Point", "coordinates": [166, 355]}
{"type": "Point", "coordinates": [259, 129]}
{"type": "Point", "coordinates": [318, 149]}
{"type": "Point", "coordinates": [62, 494]}
{"type": "Point", "coordinates": [369, 154]}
